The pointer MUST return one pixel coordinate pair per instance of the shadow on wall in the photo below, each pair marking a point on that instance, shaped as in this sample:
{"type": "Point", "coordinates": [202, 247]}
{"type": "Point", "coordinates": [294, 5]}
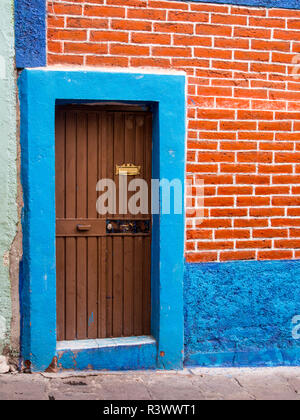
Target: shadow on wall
{"type": "Point", "coordinates": [241, 313]}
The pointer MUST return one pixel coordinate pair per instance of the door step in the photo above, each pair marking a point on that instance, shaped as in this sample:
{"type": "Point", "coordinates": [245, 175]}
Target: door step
{"type": "Point", "coordinates": [125, 353]}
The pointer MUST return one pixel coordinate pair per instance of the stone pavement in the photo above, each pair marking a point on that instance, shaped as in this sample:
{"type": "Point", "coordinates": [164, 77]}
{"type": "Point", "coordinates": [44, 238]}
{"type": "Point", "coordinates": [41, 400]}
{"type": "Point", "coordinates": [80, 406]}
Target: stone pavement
{"type": "Point", "coordinates": [190, 384]}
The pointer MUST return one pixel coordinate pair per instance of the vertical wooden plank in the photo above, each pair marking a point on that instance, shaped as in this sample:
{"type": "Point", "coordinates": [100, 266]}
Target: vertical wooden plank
{"type": "Point", "coordinates": [128, 242]}
{"type": "Point", "coordinates": [109, 288]}
{"type": "Point", "coordinates": [138, 285]}
{"type": "Point", "coordinates": [128, 287]}
{"type": "Point", "coordinates": [71, 213]}
{"type": "Point", "coordinates": [102, 157]}
{"type": "Point", "coordinates": [147, 287]}
{"type": "Point", "coordinates": [60, 288]}
{"type": "Point", "coordinates": [118, 254]}
{"type": "Point", "coordinates": [60, 180]}
{"type": "Point", "coordinates": [92, 213]}
{"type": "Point", "coordinates": [109, 244]}
{"type": "Point", "coordinates": [147, 241]}
{"type": "Point", "coordinates": [139, 253]}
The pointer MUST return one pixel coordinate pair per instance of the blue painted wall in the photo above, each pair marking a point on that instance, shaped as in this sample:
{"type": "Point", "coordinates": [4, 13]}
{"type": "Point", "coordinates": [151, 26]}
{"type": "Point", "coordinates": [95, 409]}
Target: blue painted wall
{"type": "Point", "coordinates": [240, 313]}
{"type": "Point", "coordinates": [30, 33]}
{"type": "Point", "coordinates": [285, 4]}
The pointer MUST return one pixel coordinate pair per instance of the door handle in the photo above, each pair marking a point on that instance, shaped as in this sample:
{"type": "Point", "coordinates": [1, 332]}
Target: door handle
{"type": "Point", "coordinates": [84, 228]}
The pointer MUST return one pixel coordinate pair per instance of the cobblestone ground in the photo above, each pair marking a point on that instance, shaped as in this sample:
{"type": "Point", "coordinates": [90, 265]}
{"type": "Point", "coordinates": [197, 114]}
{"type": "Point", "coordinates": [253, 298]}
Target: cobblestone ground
{"type": "Point", "coordinates": [190, 384]}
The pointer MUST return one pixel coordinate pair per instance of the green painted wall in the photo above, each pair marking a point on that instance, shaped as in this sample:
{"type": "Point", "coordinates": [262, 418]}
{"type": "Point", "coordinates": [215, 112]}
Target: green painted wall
{"type": "Point", "coordinates": [8, 154]}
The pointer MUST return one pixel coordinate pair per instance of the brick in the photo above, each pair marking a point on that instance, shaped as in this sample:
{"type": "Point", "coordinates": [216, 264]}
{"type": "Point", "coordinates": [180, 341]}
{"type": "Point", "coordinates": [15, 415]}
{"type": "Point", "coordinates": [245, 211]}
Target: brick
{"type": "Point", "coordinates": [258, 44]}
{"type": "Point", "coordinates": [197, 257]}
{"type": "Point", "coordinates": [248, 157]}
{"type": "Point", "coordinates": [228, 212]}
{"type": "Point", "coordinates": [286, 179]}
{"type": "Point", "coordinates": [275, 169]}
{"type": "Point", "coordinates": [147, 14]}
{"type": "Point", "coordinates": [188, 16]}
{"type": "Point", "coordinates": [290, 201]}
{"type": "Point", "coordinates": [188, 40]}
{"type": "Point", "coordinates": [107, 61]}
{"type": "Point", "coordinates": [267, 22]}
{"type": "Point", "coordinates": [133, 50]}
{"type": "Point", "coordinates": [237, 255]}
{"type": "Point", "coordinates": [254, 244]}
{"type": "Point", "coordinates": [82, 48]}
{"type": "Point", "coordinates": [252, 56]}
{"type": "Point", "coordinates": [55, 47]}
{"type": "Point", "coordinates": [238, 145]}
{"type": "Point", "coordinates": [171, 52]}
{"type": "Point", "coordinates": [252, 33]}
{"type": "Point", "coordinates": [237, 125]}
{"type": "Point", "coordinates": [214, 30]}
{"type": "Point", "coordinates": [232, 43]}
{"type": "Point", "coordinates": [177, 28]}
{"type": "Point", "coordinates": [213, 53]}
{"type": "Point", "coordinates": [218, 201]}
{"type": "Point", "coordinates": [232, 234]}
{"type": "Point", "coordinates": [253, 179]}
{"type": "Point", "coordinates": [131, 25]}
{"type": "Point", "coordinates": [167, 5]}
{"type": "Point", "coordinates": [271, 190]}
{"type": "Point", "coordinates": [234, 190]}
{"type": "Point", "coordinates": [270, 233]}
{"type": "Point", "coordinates": [216, 157]}
{"type": "Point", "coordinates": [150, 62]}
{"type": "Point", "coordinates": [65, 59]}
{"type": "Point", "coordinates": [101, 11]}
{"type": "Point", "coordinates": [267, 212]}
{"type": "Point", "coordinates": [252, 201]}
{"type": "Point", "coordinates": [133, 3]}
{"type": "Point", "coordinates": [106, 36]}
{"type": "Point", "coordinates": [199, 234]}
{"type": "Point", "coordinates": [55, 22]}
{"type": "Point", "coordinates": [288, 35]}
{"type": "Point", "coordinates": [254, 115]}
{"type": "Point", "coordinates": [248, 11]}
{"type": "Point", "coordinates": [215, 223]}
{"type": "Point", "coordinates": [286, 222]}
{"type": "Point", "coordinates": [66, 9]}
{"type": "Point", "coordinates": [87, 23]}
{"type": "Point", "coordinates": [287, 244]}
{"type": "Point", "coordinates": [142, 38]}
{"type": "Point", "coordinates": [214, 245]}
{"type": "Point", "coordinates": [251, 223]}
{"type": "Point", "coordinates": [228, 19]}
{"type": "Point", "coordinates": [217, 179]}
{"type": "Point", "coordinates": [292, 157]}
{"type": "Point", "coordinates": [275, 255]}
{"type": "Point", "coordinates": [67, 34]}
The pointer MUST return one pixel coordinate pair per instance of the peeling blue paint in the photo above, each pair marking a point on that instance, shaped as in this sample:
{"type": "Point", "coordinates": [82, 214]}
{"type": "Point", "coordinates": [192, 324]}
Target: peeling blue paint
{"type": "Point", "coordinates": [134, 353]}
{"type": "Point", "coordinates": [240, 313]}
{"type": "Point", "coordinates": [30, 33]}
{"type": "Point", "coordinates": [39, 91]}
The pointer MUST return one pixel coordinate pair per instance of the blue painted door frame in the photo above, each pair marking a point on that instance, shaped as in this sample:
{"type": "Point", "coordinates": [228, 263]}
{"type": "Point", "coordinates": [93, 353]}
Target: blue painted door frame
{"type": "Point", "coordinates": [39, 91]}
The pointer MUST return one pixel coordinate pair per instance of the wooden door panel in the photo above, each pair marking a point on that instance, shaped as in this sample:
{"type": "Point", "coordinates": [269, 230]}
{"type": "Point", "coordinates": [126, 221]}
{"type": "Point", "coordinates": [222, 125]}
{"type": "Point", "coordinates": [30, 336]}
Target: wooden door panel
{"type": "Point", "coordinates": [103, 280]}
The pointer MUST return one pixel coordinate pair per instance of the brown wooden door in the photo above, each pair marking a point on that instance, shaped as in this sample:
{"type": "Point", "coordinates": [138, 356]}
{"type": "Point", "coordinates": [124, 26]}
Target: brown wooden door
{"type": "Point", "coordinates": [103, 278]}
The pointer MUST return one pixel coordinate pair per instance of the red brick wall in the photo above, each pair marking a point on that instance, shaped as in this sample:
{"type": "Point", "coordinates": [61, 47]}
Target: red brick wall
{"type": "Point", "coordinates": [243, 107]}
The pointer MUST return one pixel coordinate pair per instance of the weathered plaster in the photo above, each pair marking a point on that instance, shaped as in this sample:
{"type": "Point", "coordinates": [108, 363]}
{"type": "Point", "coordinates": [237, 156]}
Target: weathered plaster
{"type": "Point", "coordinates": [30, 26]}
{"type": "Point", "coordinates": [8, 173]}
{"type": "Point", "coordinates": [240, 313]}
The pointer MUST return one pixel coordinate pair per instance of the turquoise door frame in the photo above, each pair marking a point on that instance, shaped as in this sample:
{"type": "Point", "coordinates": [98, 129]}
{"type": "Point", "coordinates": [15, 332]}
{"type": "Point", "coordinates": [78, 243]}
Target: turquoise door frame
{"type": "Point", "coordinates": [39, 91]}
